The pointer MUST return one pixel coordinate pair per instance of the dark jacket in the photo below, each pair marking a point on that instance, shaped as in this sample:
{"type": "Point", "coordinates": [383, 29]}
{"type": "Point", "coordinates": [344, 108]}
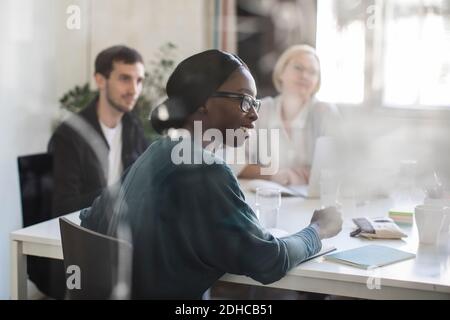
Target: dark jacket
{"type": "Point", "coordinates": [80, 157]}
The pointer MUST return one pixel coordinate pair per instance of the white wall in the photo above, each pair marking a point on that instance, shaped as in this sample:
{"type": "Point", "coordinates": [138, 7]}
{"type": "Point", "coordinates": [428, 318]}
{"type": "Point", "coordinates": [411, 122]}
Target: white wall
{"type": "Point", "coordinates": [27, 91]}
{"type": "Point", "coordinates": [41, 59]}
{"type": "Point", "coordinates": [146, 25]}
{"type": "Point", "coordinates": [72, 46]}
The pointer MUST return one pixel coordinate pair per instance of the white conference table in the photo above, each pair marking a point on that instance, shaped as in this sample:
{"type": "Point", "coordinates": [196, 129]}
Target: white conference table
{"type": "Point", "coordinates": [425, 277]}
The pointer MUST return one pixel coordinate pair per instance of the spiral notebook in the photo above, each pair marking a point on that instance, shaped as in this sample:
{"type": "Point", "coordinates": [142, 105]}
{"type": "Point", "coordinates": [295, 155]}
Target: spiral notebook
{"type": "Point", "coordinates": [369, 257]}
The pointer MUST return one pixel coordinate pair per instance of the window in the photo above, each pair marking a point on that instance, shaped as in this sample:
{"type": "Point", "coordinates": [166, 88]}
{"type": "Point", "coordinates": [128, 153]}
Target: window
{"type": "Point", "coordinates": [341, 50]}
{"type": "Point", "coordinates": [391, 53]}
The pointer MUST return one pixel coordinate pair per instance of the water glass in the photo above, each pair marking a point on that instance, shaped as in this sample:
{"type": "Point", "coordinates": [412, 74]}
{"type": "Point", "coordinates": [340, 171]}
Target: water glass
{"type": "Point", "coordinates": [268, 203]}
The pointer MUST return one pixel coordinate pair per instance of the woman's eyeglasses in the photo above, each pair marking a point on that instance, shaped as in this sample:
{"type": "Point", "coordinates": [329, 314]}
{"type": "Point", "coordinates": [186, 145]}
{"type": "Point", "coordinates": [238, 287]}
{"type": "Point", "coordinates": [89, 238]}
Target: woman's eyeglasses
{"type": "Point", "coordinates": [304, 70]}
{"type": "Point", "coordinates": [247, 102]}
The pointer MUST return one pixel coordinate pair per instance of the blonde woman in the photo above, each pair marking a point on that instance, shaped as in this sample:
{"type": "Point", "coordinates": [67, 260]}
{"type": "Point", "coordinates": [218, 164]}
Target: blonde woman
{"type": "Point", "coordinates": [298, 115]}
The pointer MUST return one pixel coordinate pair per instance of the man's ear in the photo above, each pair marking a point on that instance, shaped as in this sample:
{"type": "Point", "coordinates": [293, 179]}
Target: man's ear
{"type": "Point", "coordinates": [100, 80]}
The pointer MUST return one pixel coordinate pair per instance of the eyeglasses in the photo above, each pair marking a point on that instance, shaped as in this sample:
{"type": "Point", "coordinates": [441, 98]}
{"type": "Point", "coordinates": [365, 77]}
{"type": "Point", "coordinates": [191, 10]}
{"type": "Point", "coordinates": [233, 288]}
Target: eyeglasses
{"type": "Point", "coordinates": [247, 101]}
{"type": "Point", "coordinates": [305, 70]}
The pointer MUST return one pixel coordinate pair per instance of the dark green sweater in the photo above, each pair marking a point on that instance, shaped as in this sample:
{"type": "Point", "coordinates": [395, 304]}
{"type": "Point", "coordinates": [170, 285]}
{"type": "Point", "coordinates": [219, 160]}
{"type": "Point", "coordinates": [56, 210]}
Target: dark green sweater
{"type": "Point", "coordinates": [190, 224]}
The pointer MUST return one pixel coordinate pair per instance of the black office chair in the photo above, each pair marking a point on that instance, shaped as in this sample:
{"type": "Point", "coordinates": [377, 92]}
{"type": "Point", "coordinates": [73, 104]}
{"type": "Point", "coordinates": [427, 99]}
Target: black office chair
{"type": "Point", "coordinates": [104, 263]}
{"type": "Point", "coordinates": [36, 186]}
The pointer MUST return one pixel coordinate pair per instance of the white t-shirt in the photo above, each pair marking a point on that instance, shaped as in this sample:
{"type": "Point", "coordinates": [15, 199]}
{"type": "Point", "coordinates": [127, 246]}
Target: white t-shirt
{"type": "Point", "coordinates": [314, 120]}
{"type": "Point", "coordinates": [114, 138]}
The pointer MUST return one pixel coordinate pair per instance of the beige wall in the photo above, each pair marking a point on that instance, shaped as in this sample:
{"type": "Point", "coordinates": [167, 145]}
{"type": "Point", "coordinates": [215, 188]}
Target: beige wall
{"type": "Point", "coordinates": [146, 25]}
{"type": "Point", "coordinates": [142, 24]}
{"type": "Point", "coordinates": [72, 58]}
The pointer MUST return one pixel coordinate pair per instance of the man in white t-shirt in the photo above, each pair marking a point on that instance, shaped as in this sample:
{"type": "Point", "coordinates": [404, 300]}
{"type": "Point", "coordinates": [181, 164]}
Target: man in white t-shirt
{"type": "Point", "coordinates": [93, 148]}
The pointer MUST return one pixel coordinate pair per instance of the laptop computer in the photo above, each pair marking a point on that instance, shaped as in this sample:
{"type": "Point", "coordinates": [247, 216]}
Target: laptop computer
{"type": "Point", "coordinates": [325, 158]}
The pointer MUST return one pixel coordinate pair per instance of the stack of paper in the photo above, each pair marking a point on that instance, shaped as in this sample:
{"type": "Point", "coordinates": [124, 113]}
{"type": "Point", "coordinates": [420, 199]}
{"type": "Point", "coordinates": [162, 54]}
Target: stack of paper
{"type": "Point", "coordinates": [401, 216]}
{"type": "Point", "coordinates": [286, 191]}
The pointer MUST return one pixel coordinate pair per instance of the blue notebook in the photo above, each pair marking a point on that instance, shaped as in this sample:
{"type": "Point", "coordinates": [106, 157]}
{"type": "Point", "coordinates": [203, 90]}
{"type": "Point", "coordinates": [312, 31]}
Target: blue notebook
{"type": "Point", "coordinates": [369, 257]}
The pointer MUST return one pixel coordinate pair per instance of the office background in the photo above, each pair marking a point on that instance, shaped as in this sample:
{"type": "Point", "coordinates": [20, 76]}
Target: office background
{"type": "Point", "coordinates": [40, 59]}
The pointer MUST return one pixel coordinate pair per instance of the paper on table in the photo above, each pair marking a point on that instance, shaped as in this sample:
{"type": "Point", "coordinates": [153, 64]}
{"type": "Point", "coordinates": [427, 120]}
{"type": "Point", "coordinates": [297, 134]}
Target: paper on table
{"type": "Point", "coordinates": [290, 191]}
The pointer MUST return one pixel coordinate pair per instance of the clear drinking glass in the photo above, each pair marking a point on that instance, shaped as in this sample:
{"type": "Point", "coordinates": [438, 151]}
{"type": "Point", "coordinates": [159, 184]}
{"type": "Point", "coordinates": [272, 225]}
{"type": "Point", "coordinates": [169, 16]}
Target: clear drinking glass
{"type": "Point", "coordinates": [268, 203]}
{"type": "Point", "coordinates": [329, 188]}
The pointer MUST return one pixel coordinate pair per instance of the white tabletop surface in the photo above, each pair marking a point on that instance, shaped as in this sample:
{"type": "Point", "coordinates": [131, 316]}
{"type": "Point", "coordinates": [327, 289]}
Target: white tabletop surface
{"type": "Point", "coordinates": [46, 232]}
{"type": "Point", "coordinates": [430, 270]}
